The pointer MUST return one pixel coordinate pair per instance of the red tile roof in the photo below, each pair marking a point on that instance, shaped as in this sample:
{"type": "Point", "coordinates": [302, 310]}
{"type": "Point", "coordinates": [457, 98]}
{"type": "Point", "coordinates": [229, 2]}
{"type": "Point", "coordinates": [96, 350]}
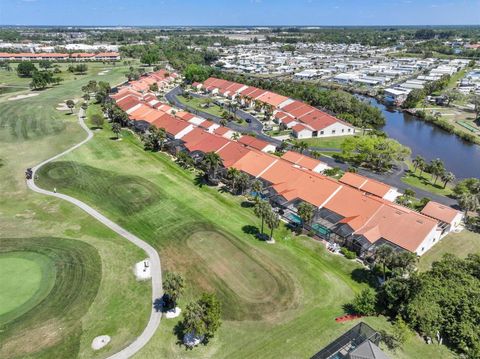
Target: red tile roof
{"type": "Point", "coordinates": [272, 98]}
{"type": "Point", "coordinates": [172, 125]}
{"type": "Point", "coordinates": [254, 163]}
{"type": "Point", "coordinates": [366, 184]}
{"type": "Point", "coordinates": [301, 160]}
{"type": "Point", "coordinates": [232, 153]}
{"type": "Point", "coordinates": [253, 142]}
{"type": "Point", "coordinates": [441, 212]}
{"type": "Point", "coordinates": [128, 102]}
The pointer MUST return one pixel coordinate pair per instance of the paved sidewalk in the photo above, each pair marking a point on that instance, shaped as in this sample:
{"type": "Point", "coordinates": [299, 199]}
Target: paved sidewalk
{"type": "Point", "coordinates": [155, 264]}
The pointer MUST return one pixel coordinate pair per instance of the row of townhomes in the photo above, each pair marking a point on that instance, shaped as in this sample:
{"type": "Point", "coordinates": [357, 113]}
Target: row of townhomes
{"type": "Point", "coordinates": [354, 211]}
{"type": "Point", "coordinates": [304, 120]}
{"type": "Point", "coordinates": [55, 56]}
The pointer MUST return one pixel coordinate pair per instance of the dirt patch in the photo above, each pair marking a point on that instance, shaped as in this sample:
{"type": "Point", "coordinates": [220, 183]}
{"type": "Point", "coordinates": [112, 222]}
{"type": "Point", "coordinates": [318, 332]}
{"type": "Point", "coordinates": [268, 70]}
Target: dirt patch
{"type": "Point", "coordinates": [29, 341]}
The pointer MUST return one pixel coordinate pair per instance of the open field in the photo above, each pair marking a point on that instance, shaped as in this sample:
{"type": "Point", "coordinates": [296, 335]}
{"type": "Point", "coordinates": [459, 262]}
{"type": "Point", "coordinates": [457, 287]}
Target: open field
{"type": "Point", "coordinates": [460, 244]}
{"type": "Point", "coordinates": [425, 181]}
{"type": "Point", "coordinates": [32, 130]}
{"type": "Point", "coordinates": [209, 237]}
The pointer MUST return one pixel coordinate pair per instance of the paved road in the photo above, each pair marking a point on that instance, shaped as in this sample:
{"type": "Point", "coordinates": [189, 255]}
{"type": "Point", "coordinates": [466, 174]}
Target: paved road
{"type": "Point", "coordinates": [157, 290]}
{"type": "Point", "coordinates": [254, 125]}
{"type": "Point", "coordinates": [393, 179]}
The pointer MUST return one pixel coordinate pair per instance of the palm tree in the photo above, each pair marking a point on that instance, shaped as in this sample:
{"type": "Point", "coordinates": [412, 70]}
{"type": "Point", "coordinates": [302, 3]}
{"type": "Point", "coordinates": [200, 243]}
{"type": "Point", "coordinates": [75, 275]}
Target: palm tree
{"type": "Point", "coordinates": [262, 209]}
{"type": "Point", "coordinates": [182, 158]}
{"type": "Point", "coordinates": [243, 182]}
{"type": "Point", "coordinates": [300, 146]}
{"type": "Point", "coordinates": [212, 161]}
{"type": "Point", "coordinates": [437, 168]}
{"type": "Point", "coordinates": [469, 202]}
{"type": "Point", "coordinates": [422, 165]}
{"type": "Point", "coordinates": [257, 187]}
{"type": "Point", "coordinates": [418, 162]}
{"type": "Point", "coordinates": [306, 212]}
{"type": "Point", "coordinates": [447, 177]}
{"type": "Point", "coordinates": [161, 136]}
{"type": "Point", "coordinates": [315, 154]}
{"type": "Point", "coordinates": [173, 286]}
{"type": "Point", "coordinates": [273, 222]}
{"type": "Point", "coordinates": [384, 255]}
{"type": "Point", "coordinates": [223, 122]}
{"type": "Point", "coordinates": [116, 128]}
{"type": "Point", "coordinates": [235, 136]}
{"type": "Point", "coordinates": [404, 262]}
{"type": "Point", "coordinates": [232, 175]}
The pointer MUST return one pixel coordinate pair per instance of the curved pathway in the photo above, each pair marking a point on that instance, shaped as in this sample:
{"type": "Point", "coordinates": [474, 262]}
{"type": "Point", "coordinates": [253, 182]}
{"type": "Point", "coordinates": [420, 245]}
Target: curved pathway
{"type": "Point", "coordinates": [156, 271]}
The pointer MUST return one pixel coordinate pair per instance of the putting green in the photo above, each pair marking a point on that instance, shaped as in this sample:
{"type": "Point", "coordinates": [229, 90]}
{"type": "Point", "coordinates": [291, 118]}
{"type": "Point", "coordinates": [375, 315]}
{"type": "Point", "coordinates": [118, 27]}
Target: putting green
{"type": "Point", "coordinates": [26, 279]}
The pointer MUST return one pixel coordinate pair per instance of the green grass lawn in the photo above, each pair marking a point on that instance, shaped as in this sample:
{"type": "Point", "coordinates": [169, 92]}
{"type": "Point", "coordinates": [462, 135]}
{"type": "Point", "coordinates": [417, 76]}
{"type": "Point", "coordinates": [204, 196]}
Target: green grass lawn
{"type": "Point", "coordinates": [97, 292]}
{"type": "Point", "coordinates": [24, 277]}
{"type": "Point", "coordinates": [277, 300]}
{"type": "Point", "coordinates": [196, 104]}
{"type": "Point", "coordinates": [460, 244]}
{"type": "Point", "coordinates": [278, 132]}
{"type": "Point", "coordinates": [326, 142]}
{"type": "Point", "coordinates": [425, 182]}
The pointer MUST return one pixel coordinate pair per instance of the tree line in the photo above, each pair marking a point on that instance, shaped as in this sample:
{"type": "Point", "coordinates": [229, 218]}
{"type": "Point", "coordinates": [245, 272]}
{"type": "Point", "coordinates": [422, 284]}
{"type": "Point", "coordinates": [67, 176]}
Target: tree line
{"type": "Point", "coordinates": [41, 78]}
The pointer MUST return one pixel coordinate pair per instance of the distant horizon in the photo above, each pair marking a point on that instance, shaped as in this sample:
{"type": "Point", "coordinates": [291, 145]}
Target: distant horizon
{"type": "Point", "coordinates": [235, 26]}
{"type": "Point", "coordinates": [218, 13]}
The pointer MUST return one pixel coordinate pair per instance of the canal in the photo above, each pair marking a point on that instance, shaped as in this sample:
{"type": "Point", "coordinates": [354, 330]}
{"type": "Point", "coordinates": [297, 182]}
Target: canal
{"type": "Point", "coordinates": [430, 142]}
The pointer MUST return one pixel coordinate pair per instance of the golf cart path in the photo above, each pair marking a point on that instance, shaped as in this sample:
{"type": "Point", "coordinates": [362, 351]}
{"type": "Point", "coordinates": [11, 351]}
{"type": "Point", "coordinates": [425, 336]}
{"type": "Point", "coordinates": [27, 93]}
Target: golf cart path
{"type": "Point", "coordinates": [156, 271]}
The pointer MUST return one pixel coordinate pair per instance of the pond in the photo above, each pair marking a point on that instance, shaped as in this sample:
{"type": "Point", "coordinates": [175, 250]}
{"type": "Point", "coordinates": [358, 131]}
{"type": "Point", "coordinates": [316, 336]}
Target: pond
{"type": "Point", "coordinates": [460, 157]}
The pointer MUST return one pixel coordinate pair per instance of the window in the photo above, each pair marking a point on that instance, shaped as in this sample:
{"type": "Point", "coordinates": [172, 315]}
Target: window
{"type": "Point", "coordinates": [321, 132]}
{"type": "Point", "coordinates": [333, 131]}
{"type": "Point", "coordinates": [343, 130]}
{"type": "Point", "coordinates": [348, 130]}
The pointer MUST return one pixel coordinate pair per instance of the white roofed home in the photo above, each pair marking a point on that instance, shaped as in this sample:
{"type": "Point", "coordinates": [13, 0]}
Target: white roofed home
{"type": "Point", "coordinates": [301, 131]}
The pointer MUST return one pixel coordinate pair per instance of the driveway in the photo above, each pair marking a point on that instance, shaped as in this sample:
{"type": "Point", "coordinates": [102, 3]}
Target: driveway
{"type": "Point", "coordinates": [156, 270]}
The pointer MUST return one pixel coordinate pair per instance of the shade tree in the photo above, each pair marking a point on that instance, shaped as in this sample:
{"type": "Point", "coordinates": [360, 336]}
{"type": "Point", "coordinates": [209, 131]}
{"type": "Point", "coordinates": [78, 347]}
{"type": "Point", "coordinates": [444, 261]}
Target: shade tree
{"type": "Point", "coordinates": [173, 288]}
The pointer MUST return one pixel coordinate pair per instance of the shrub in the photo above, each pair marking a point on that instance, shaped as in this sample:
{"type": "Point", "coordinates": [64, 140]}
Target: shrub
{"type": "Point", "coordinates": [348, 253]}
{"type": "Point", "coordinates": [365, 302]}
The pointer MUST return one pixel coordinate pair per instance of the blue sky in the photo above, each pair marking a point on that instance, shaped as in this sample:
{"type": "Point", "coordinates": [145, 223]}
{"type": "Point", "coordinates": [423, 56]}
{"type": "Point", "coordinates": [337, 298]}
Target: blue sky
{"type": "Point", "coordinates": [239, 12]}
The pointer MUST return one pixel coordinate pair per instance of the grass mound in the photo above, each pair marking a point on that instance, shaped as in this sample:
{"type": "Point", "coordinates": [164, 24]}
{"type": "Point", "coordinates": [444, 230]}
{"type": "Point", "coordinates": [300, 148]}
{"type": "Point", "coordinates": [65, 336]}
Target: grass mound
{"type": "Point", "coordinates": [127, 194]}
{"type": "Point", "coordinates": [52, 322]}
{"type": "Point", "coordinates": [252, 286]}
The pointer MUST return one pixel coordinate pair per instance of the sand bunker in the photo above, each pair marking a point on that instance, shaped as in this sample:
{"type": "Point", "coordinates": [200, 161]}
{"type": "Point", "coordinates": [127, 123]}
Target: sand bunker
{"type": "Point", "coordinates": [173, 313]}
{"type": "Point", "coordinates": [143, 270]}
{"type": "Point", "coordinates": [19, 97]}
{"type": "Point", "coordinates": [99, 342]}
